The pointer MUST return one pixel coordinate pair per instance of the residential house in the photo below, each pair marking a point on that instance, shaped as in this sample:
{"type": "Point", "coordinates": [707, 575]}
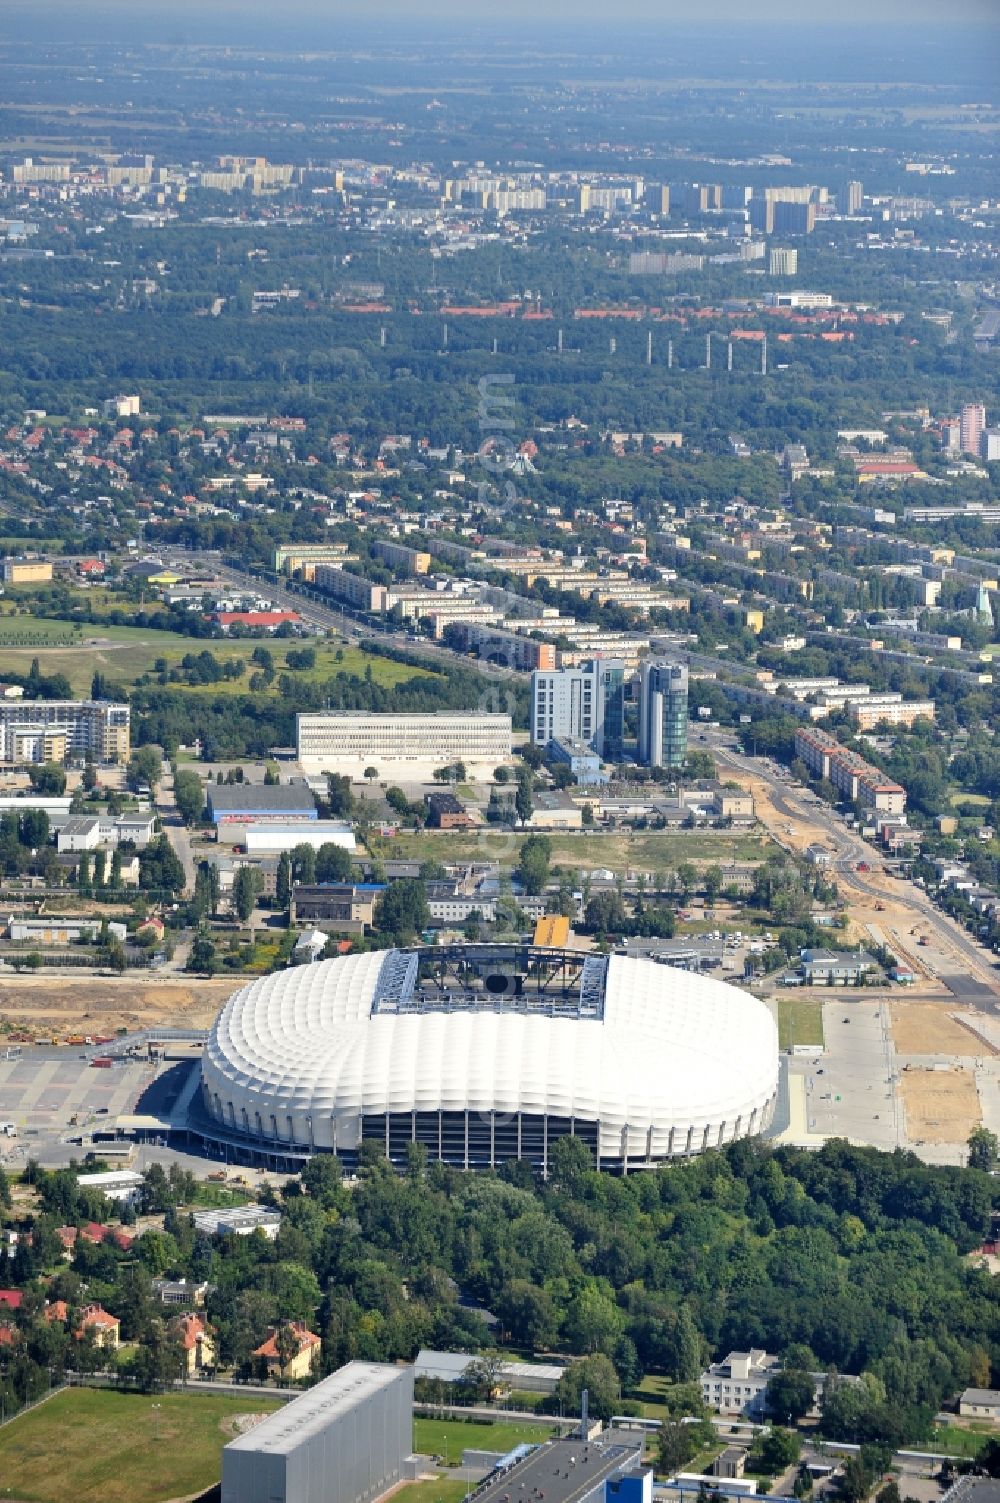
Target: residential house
{"type": "Point", "coordinates": [105, 1326]}
{"type": "Point", "coordinates": [196, 1342]}
{"type": "Point", "coordinates": [304, 1346]}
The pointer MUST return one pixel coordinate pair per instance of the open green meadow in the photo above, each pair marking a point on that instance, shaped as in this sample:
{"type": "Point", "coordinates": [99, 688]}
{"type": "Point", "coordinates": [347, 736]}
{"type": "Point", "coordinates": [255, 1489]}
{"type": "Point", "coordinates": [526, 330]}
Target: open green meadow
{"type": "Point", "coordinates": [448, 1438]}
{"type": "Point", "coordinates": [95, 1445]}
{"type": "Point", "coordinates": [124, 653]}
{"type": "Point", "coordinates": [617, 850]}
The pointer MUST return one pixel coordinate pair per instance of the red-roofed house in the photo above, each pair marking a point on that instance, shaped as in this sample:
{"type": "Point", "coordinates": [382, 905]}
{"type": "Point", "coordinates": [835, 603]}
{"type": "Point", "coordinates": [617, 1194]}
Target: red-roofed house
{"type": "Point", "coordinates": [304, 1347]}
{"type": "Point", "coordinates": [8, 1335]}
{"type": "Point", "coordinates": [106, 1327]}
{"type": "Point", "coordinates": [196, 1342]}
{"type": "Point", "coordinates": [56, 1309]}
{"type": "Point", "coordinates": [10, 1299]}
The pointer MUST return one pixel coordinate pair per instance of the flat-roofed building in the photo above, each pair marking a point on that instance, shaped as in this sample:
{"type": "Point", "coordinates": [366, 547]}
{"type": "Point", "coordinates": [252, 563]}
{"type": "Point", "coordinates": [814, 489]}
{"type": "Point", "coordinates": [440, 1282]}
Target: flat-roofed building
{"type": "Point", "coordinates": [408, 746]}
{"type": "Point", "coordinates": [38, 730]}
{"type": "Point", "coordinates": [406, 560]}
{"type": "Point", "coordinates": [889, 709]}
{"type": "Point", "coordinates": [27, 570]}
{"type": "Point", "coordinates": [248, 803]}
{"type": "Point", "coordinates": [343, 1441]}
{"type": "Point", "coordinates": [352, 589]}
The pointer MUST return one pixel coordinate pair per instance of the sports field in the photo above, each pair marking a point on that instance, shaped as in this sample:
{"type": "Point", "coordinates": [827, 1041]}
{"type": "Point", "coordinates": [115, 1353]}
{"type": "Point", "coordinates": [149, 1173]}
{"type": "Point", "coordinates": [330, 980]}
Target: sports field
{"type": "Point", "coordinates": [124, 653]}
{"type": "Point", "coordinates": [942, 1106]}
{"type": "Point", "coordinates": [800, 1021]}
{"type": "Point", "coordinates": [94, 1445]}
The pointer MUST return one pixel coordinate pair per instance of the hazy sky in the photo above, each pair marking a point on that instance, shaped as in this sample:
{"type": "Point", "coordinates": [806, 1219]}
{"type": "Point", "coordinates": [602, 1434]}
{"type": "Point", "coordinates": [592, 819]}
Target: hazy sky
{"type": "Point", "coordinates": [842, 14]}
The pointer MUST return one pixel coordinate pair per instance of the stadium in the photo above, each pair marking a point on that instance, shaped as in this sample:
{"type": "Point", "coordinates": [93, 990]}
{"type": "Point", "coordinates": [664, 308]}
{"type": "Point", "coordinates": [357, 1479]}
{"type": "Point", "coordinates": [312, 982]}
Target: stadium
{"type": "Point", "coordinates": [485, 1053]}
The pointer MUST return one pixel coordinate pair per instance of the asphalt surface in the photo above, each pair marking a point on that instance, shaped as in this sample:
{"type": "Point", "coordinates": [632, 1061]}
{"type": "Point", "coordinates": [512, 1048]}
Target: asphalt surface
{"type": "Point", "coordinates": [564, 1471]}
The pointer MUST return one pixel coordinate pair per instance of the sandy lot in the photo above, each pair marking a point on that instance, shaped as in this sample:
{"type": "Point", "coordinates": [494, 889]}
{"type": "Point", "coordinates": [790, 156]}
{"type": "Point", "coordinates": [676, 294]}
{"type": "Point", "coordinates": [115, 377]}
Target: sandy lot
{"type": "Point", "coordinates": [934, 1028]}
{"type": "Point", "coordinates": [941, 1106]}
{"type": "Point", "coordinates": [100, 1004]}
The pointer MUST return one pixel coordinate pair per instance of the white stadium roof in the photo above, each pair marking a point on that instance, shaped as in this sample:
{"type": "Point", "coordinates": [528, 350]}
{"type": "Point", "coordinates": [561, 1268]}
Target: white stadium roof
{"type": "Point", "coordinates": [667, 1062]}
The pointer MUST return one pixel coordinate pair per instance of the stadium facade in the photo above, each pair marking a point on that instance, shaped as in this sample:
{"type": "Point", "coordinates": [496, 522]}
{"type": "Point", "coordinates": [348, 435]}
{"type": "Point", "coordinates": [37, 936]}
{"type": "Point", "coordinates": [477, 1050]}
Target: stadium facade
{"type": "Point", "coordinates": [486, 1053]}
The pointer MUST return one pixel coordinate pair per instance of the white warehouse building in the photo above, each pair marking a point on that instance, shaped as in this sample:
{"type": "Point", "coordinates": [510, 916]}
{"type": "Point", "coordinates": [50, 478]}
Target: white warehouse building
{"type": "Point", "coordinates": [486, 1053]}
{"type": "Point", "coordinates": [402, 746]}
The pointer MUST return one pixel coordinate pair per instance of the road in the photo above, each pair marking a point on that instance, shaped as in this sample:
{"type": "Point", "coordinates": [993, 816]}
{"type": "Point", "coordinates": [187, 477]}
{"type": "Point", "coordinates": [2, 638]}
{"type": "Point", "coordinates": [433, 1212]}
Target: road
{"type": "Point", "coordinates": [174, 827]}
{"type": "Point", "coordinates": [336, 618]}
{"type": "Point", "coordinates": [972, 977]}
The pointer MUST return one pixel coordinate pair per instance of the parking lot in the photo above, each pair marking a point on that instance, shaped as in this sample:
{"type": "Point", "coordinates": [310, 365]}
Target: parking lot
{"type": "Point", "coordinates": [850, 1088]}
{"type": "Point", "coordinates": [53, 1095]}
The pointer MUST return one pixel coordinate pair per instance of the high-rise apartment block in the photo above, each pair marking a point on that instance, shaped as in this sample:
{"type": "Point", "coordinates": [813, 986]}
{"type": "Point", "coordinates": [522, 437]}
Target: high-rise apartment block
{"type": "Point", "coordinates": [851, 198]}
{"type": "Point", "coordinates": [581, 704]}
{"type": "Point", "coordinates": [663, 714]}
{"type": "Point", "coordinates": [657, 198]}
{"type": "Point", "coordinates": [783, 262]}
{"type": "Point", "coordinates": [972, 426]}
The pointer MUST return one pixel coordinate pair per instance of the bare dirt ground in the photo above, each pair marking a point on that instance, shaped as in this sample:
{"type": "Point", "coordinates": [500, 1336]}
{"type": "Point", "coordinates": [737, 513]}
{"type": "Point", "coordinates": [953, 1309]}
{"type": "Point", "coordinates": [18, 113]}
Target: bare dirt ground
{"type": "Point", "coordinates": [100, 1004]}
{"type": "Point", "coordinates": [942, 1106]}
{"type": "Point", "coordinates": [934, 1028]}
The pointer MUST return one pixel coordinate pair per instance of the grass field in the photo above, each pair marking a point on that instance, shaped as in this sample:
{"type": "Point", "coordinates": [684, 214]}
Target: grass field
{"type": "Point", "coordinates": [800, 1021]}
{"type": "Point", "coordinates": [439, 1490]}
{"type": "Point", "coordinates": [449, 1438]}
{"type": "Point", "coordinates": [96, 1446]}
{"type": "Point", "coordinates": [955, 1440]}
{"type": "Point", "coordinates": [617, 850]}
{"type": "Point", "coordinates": [124, 653]}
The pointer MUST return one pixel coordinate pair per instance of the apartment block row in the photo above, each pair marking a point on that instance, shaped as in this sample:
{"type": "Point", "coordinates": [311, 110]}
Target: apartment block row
{"type": "Point", "coordinates": [58, 730]}
{"type": "Point", "coordinates": [849, 773]}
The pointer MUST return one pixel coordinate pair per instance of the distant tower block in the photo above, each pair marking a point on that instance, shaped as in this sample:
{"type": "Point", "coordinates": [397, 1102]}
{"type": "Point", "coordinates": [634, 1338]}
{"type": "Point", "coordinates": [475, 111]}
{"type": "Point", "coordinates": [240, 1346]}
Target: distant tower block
{"type": "Point", "coordinates": [612, 345]}
{"type": "Point", "coordinates": [708, 352]}
{"type": "Point", "coordinates": [559, 342]}
{"type": "Point", "coordinates": [494, 346]}
{"type": "Point", "coordinates": [649, 348]}
{"type": "Point", "coordinates": [763, 356]}
{"type": "Point", "coordinates": [444, 337]}
{"type": "Point", "coordinates": [670, 354]}
{"type": "Point", "coordinates": [381, 337]}
{"type": "Point", "coordinates": [729, 355]}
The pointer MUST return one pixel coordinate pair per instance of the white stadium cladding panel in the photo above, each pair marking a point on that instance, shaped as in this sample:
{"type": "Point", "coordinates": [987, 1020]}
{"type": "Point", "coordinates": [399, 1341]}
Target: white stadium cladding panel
{"type": "Point", "coordinates": [486, 1053]}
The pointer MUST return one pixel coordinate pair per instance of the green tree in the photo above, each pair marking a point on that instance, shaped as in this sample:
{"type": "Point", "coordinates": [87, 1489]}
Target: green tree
{"type": "Point", "coordinates": [533, 863]}
{"type": "Point", "coordinates": [48, 778]}
{"type": "Point", "coordinates": [523, 802]}
{"type": "Point", "coordinates": [189, 796]}
{"type": "Point", "coordinates": [283, 881]}
{"type": "Point", "coordinates": [597, 1375]}
{"type": "Point", "coordinates": [984, 1149]}
{"type": "Point", "coordinates": [333, 863]}
{"type": "Point", "coordinates": [202, 956]}
{"type": "Point", "coordinates": [790, 1394]}
{"type": "Point", "coordinates": [304, 864]}
{"type": "Point", "coordinates": [145, 767]}
{"type": "Point", "coordinates": [247, 886]}
{"type": "Point", "coordinates": [675, 1446]}
{"type": "Point", "coordinates": [401, 911]}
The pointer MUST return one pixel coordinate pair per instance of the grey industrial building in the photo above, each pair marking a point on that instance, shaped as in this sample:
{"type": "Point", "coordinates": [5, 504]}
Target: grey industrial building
{"type": "Point", "coordinates": [344, 1441]}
